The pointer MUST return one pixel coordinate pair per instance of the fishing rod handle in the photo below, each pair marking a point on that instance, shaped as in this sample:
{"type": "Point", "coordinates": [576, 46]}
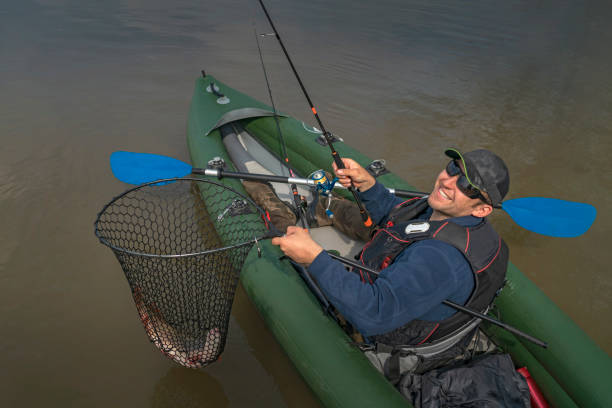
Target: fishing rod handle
{"type": "Point", "coordinates": [453, 305]}
{"type": "Point", "coordinates": [335, 155]}
{"type": "Point", "coordinates": [407, 193]}
{"type": "Point", "coordinates": [495, 322]}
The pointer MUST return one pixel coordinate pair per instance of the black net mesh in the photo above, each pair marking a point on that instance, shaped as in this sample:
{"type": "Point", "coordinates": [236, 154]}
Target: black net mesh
{"type": "Point", "coordinates": [182, 246]}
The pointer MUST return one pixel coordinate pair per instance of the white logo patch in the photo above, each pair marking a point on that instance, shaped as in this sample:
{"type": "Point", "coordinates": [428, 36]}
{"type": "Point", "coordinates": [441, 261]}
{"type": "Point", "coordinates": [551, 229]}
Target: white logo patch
{"type": "Point", "coordinates": [416, 227]}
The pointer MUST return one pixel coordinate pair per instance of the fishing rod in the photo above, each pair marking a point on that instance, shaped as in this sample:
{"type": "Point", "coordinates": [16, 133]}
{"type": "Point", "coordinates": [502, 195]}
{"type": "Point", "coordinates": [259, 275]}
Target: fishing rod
{"type": "Point", "coordinates": [367, 221]}
{"type": "Point", "coordinates": [298, 200]}
{"type": "Point", "coordinates": [454, 305]}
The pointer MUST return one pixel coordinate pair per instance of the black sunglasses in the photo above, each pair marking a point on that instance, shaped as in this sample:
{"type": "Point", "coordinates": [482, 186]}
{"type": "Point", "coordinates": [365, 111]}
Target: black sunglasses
{"type": "Point", "coordinates": [463, 184]}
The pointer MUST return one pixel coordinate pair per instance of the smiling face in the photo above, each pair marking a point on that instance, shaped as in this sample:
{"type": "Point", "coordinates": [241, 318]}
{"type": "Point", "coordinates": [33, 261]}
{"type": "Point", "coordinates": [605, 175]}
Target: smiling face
{"type": "Point", "coordinates": [448, 201]}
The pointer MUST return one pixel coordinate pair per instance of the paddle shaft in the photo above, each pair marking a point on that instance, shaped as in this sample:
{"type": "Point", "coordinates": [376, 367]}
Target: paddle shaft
{"type": "Point", "coordinates": [453, 305]}
{"type": "Point", "coordinates": [337, 159]}
{"type": "Point", "coordinates": [288, 180]}
{"type": "Point", "coordinates": [547, 216]}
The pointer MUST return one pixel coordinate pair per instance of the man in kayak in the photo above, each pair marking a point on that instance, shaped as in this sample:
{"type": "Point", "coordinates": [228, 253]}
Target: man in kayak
{"type": "Point", "coordinates": [428, 250]}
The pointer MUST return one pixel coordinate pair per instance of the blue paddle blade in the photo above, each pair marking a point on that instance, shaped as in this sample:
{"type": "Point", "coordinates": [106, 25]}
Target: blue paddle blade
{"type": "Point", "coordinates": [139, 168]}
{"type": "Point", "coordinates": [550, 216]}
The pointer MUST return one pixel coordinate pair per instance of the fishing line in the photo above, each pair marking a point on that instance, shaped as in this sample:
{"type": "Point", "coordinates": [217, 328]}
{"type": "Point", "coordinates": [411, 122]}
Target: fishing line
{"type": "Point", "coordinates": [367, 221]}
{"type": "Point", "coordinates": [299, 201]}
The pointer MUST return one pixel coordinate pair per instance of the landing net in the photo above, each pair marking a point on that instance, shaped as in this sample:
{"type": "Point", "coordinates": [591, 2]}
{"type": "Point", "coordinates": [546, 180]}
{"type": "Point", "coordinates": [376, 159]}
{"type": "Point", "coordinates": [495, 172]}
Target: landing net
{"type": "Point", "coordinates": [181, 245]}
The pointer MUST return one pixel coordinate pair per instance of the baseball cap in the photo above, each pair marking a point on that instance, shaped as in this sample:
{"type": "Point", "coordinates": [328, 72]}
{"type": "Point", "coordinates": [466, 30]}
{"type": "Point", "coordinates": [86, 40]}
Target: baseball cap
{"type": "Point", "coordinates": [486, 171]}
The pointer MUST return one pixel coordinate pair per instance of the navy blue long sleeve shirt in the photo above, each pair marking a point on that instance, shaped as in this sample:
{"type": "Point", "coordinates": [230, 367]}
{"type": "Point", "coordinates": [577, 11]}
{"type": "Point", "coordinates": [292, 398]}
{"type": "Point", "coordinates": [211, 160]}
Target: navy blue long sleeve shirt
{"type": "Point", "coordinates": [412, 287]}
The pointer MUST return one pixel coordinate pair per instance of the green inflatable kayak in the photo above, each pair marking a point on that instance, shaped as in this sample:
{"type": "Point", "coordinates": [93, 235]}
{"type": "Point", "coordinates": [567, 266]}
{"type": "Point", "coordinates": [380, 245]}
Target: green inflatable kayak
{"type": "Point", "coordinates": [573, 371]}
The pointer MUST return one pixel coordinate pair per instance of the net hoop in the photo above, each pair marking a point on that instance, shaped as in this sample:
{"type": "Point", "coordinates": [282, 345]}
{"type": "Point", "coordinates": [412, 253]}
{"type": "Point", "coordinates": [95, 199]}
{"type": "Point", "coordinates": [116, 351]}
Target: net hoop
{"type": "Point", "coordinates": [167, 181]}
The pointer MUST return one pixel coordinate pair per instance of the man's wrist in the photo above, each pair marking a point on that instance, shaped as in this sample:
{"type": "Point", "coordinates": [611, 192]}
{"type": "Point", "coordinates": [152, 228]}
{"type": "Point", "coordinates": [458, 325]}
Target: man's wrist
{"type": "Point", "coordinates": [372, 192]}
{"type": "Point", "coordinates": [317, 264]}
{"type": "Point", "coordinates": [365, 188]}
{"type": "Point", "coordinates": [315, 253]}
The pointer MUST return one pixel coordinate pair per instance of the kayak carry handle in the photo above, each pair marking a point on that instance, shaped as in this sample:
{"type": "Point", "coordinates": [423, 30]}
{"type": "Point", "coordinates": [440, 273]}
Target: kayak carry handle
{"type": "Point", "coordinates": [213, 89]}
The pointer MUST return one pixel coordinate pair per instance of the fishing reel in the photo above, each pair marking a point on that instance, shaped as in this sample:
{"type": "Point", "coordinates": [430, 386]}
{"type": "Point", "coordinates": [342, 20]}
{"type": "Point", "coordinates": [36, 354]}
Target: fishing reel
{"type": "Point", "coordinates": [323, 186]}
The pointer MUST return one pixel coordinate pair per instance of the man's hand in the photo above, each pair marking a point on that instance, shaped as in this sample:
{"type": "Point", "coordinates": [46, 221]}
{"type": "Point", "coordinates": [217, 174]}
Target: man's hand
{"type": "Point", "coordinates": [353, 171]}
{"type": "Point", "coordinates": [298, 245]}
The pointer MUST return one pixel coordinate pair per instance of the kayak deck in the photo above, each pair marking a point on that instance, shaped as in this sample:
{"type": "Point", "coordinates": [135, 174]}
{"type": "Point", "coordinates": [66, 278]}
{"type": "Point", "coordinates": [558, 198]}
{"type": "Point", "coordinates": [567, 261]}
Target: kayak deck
{"type": "Point", "coordinates": [250, 156]}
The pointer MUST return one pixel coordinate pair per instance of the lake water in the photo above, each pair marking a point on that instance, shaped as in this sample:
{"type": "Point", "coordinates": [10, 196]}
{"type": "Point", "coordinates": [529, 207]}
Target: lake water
{"type": "Point", "coordinates": [400, 80]}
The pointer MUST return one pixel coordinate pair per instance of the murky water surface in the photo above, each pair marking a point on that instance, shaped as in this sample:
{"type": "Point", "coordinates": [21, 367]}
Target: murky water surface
{"type": "Point", "coordinates": [400, 80]}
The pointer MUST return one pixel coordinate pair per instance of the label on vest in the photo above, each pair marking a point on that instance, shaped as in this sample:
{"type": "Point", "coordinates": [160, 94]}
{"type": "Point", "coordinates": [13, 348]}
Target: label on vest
{"type": "Point", "coordinates": [416, 227]}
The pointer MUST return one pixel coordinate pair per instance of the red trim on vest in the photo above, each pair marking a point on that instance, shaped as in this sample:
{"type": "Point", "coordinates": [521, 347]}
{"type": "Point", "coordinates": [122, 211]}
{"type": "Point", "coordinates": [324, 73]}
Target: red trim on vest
{"type": "Point", "coordinates": [430, 333]}
{"type": "Point", "coordinates": [396, 238]}
{"type": "Point", "coordinates": [361, 257]}
{"type": "Point", "coordinates": [367, 245]}
{"type": "Point", "coordinates": [266, 221]}
{"type": "Point", "coordinates": [385, 262]}
{"type": "Point", "coordinates": [404, 202]}
{"type": "Point", "coordinates": [442, 226]}
{"type": "Point", "coordinates": [489, 264]}
{"type": "Point", "coordinates": [468, 240]}
{"type": "Point", "coordinates": [363, 277]}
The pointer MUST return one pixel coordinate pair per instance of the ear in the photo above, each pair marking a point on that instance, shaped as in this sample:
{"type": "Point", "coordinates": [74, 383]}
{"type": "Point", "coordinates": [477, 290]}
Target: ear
{"type": "Point", "coordinates": [482, 210]}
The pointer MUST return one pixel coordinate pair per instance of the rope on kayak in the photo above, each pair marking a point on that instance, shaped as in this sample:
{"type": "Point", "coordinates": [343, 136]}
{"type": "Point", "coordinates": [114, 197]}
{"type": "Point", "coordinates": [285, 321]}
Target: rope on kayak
{"type": "Point", "coordinates": [181, 244]}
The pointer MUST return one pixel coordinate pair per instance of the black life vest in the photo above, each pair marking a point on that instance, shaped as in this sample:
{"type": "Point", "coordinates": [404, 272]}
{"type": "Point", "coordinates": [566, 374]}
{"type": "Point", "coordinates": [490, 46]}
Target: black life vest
{"type": "Point", "coordinates": [482, 247]}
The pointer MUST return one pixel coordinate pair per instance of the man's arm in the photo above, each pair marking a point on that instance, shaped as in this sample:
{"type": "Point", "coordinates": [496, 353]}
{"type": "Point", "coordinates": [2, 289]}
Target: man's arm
{"type": "Point", "coordinates": [377, 199]}
{"type": "Point", "coordinates": [379, 202]}
{"type": "Point", "coordinates": [412, 287]}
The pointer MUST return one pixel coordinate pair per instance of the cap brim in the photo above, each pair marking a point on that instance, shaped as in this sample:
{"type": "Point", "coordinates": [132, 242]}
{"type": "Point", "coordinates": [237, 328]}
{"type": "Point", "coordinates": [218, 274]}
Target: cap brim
{"type": "Point", "coordinates": [453, 153]}
{"type": "Point", "coordinates": [456, 154]}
